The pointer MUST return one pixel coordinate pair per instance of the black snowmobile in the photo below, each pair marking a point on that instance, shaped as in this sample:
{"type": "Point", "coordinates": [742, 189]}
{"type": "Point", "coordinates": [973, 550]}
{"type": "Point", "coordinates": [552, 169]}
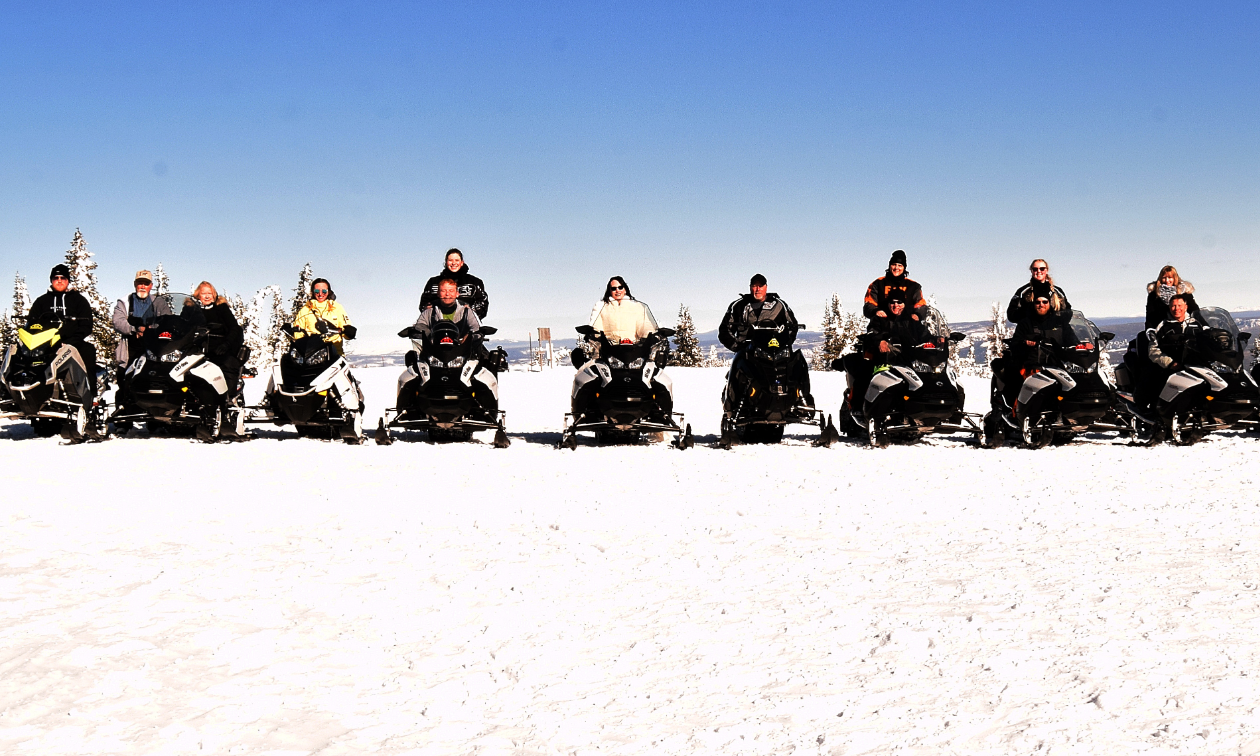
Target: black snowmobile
{"type": "Point", "coordinates": [45, 381]}
{"type": "Point", "coordinates": [623, 393]}
{"type": "Point", "coordinates": [914, 393]}
{"type": "Point", "coordinates": [174, 386]}
{"type": "Point", "coordinates": [1062, 392]}
{"type": "Point", "coordinates": [1210, 392]}
{"type": "Point", "coordinates": [312, 388]}
{"type": "Point", "coordinates": [766, 388]}
{"type": "Point", "coordinates": [449, 389]}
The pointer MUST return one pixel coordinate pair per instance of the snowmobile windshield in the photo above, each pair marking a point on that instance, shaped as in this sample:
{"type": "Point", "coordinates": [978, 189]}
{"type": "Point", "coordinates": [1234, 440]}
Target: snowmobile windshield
{"type": "Point", "coordinates": [1219, 317]}
{"type": "Point", "coordinates": [177, 301]}
{"type": "Point", "coordinates": [936, 323]}
{"type": "Point", "coordinates": [1084, 328]}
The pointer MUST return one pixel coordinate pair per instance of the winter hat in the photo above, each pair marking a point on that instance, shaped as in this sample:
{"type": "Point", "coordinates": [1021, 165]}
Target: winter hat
{"type": "Point", "coordinates": [898, 256]}
{"type": "Point", "coordinates": [896, 295]}
{"type": "Point", "coordinates": [59, 270]}
{"type": "Point", "coordinates": [757, 280]}
{"type": "Point", "coordinates": [143, 275]}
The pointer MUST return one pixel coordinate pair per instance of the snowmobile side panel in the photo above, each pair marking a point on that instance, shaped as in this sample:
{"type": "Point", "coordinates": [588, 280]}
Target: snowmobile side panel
{"type": "Point", "coordinates": [583, 377]}
{"type": "Point", "coordinates": [881, 382]}
{"type": "Point", "coordinates": [183, 366]}
{"type": "Point", "coordinates": [911, 378]}
{"type": "Point", "coordinates": [465, 375]}
{"type": "Point", "coordinates": [1179, 383]}
{"type": "Point", "coordinates": [8, 353]}
{"type": "Point", "coordinates": [664, 379]}
{"type": "Point", "coordinates": [1035, 384]}
{"type": "Point", "coordinates": [605, 372]}
{"type": "Point", "coordinates": [211, 374]}
{"type": "Point", "coordinates": [137, 366]}
{"type": "Point", "coordinates": [1066, 381]}
{"type": "Point", "coordinates": [1215, 381]}
{"type": "Point", "coordinates": [489, 380]}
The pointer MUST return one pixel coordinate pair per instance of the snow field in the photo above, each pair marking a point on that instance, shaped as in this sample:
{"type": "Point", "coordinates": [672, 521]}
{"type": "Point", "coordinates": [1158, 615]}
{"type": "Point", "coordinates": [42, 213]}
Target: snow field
{"type": "Point", "coordinates": [296, 596]}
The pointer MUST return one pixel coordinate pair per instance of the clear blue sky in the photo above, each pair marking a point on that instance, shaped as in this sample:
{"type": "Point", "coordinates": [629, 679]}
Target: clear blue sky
{"type": "Point", "coordinates": [682, 145]}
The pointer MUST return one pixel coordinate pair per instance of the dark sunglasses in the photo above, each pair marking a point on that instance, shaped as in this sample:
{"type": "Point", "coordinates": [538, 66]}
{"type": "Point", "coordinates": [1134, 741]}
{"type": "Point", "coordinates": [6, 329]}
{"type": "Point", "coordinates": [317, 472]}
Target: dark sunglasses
{"type": "Point", "coordinates": [617, 288]}
{"type": "Point", "coordinates": [321, 291]}
{"type": "Point", "coordinates": [1043, 302]}
{"type": "Point", "coordinates": [1040, 268]}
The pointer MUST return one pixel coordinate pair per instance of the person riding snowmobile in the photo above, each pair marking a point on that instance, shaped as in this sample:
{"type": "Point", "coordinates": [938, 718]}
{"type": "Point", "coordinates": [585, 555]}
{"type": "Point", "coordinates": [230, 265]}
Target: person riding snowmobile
{"type": "Point", "coordinates": [758, 307]}
{"type": "Point", "coordinates": [882, 345]}
{"type": "Point", "coordinates": [1168, 348]}
{"type": "Point", "coordinates": [1022, 304]}
{"type": "Point", "coordinates": [324, 316]}
{"type": "Point", "coordinates": [131, 318]}
{"type": "Point", "coordinates": [875, 305]}
{"type": "Point", "coordinates": [72, 310]}
{"type": "Point", "coordinates": [449, 307]}
{"type": "Point", "coordinates": [1033, 333]}
{"type": "Point", "coordinates": [620, 316]}
{"type": "Point", "coordinates": [225, 338]}
{"type": "Point", "coordinates": [1160, 293]}
{"type": "Point", "coordinates": [472, 292]}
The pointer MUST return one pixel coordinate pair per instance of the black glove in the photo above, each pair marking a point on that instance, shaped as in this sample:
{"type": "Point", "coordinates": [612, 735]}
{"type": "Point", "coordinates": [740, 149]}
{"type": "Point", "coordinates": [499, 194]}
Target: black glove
{"type": "Point", "coordinates": [134, 322]}
{"type": "Point", "coordinates": [349, 332]}
{"type": "Point", "coordinates": [322, 326]}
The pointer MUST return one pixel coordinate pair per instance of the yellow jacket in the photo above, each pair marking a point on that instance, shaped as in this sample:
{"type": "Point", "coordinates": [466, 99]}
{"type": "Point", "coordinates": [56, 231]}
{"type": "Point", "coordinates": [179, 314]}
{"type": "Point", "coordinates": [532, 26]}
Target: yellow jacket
{"type": "Point", "coordinates": [314, 311]}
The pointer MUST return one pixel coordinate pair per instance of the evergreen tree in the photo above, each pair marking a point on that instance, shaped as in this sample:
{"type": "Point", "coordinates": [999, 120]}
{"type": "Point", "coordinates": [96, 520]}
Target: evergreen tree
{"type": "Point", "coordinates": [831, 344]}
{"type": "Point", "coordinates": [714, 359]}
{"type": "Point", "coordinates": [686, 345]}
{"type": "Point", "coordinates": [21, 298]}
{"type": "Point", "coordinates": [998, 331]}
{"type": "Point", "coordinates": [8, 333]}
{"type": "Point", "coordinates": [302, 293]}
{"type": "Point", "coordinates": [83, 280]}
{"type": "Point", "coordinates": [277, 342]}
{"type": "Point", "coordinates": [161, 281]}
{"type": "Point", "coordinates": [261, 333]}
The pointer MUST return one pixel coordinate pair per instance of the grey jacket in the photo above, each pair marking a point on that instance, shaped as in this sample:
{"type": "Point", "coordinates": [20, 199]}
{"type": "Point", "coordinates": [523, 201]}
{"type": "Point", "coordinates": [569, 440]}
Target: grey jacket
{"type": "Point", "coordinates": [464, 317]}
{"type": "Point", "coordinates": [122, 310]}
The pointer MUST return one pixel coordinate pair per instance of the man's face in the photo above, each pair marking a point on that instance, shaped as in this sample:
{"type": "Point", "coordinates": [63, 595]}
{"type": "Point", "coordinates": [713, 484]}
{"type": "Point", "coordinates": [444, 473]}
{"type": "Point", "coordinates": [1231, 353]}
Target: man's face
{"type": "Point", "coordinates": [897, 307]}
{"type": "Point", "coordinates": [142, 288]}
{"type": "Point", "coordinates": [448, 293]}
{"type": "Point", "coordinates": [1178, 309]}
{"type": "Point", "coordinates": [896, 269]}
{"type": "Point", "coordinates": [454, 263]}
{"type": "Point", "coordinates": [1040, 270]}
{"type": "Point", "coordinates": [758, 291]}
{"type": "Point", "coordinates": [1042, 305]}
{"type": "Point", "coordinates": [60, 283]}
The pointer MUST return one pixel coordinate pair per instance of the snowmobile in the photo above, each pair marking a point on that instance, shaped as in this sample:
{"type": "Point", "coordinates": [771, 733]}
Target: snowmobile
{"type": "Point", "coordinates": [45, 382]}
{"type": "Point", "coordinates": [765, 391]}
{"type": "Point", "coordinates": [622, 392]}
{"type": "Point", "coordinates": [1062, 392]}
{"type": "Point", "coordinates": [312, 388]}
{"type": "Point", "coordinates": [918, 393]}
{"type": "Point", "coordinates": [449, 389]}
{"type": "Point", "coordinates": [1210, 392]}
{"type": "Point", "coordinates": [175, 386]}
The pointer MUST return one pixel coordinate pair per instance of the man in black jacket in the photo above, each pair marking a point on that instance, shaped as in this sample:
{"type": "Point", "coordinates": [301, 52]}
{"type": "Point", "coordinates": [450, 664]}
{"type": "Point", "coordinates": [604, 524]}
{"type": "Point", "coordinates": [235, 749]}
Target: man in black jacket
{"type": "Point", "coordinates": [1044, 327]}
{"type": "Point", "coordinates": [881, 345]}
{"type": "Point", "coordinates": [758, 307]}
{"type": "Point", "coordinates": [70, 309]}
{"type": "Point", "coordinates": [472, 292]}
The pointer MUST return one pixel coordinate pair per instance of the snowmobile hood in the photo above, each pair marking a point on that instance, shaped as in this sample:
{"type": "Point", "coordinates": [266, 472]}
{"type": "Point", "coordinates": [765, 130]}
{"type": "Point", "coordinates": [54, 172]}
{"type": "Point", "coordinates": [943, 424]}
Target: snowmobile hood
{"type": "Point", "coordinates": [39, 338]}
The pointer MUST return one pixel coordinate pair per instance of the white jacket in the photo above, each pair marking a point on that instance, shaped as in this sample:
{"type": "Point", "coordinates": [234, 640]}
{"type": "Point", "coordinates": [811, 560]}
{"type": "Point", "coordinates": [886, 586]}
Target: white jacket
{"type": "Point", "coordinates": [627, 319]}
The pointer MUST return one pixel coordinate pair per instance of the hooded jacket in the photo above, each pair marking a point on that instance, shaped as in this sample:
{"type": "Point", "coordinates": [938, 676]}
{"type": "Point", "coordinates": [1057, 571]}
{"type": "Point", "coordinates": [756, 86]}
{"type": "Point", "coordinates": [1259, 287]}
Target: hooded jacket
{"type": "Point", "coordinates": [329, 311]}
{"type": "Point", "coordinates": [1157, 306]}
{"type": "Point", "coordinates": [124, 322]}
{"type": "Point", "coordinates": [746, 312]}
{"type": "Point", "coordinates": [69, 307]}
{"type": "Point", "coordinates": [1021, 305]}
{"type": "Point", "coordinates": [877, 295]}
{"type": "Point", "coordinates": [458, 313]}
{"type": "Point", "coordinates": [472, 292]}
{"type": "Point", "coordinates": [628, 319]}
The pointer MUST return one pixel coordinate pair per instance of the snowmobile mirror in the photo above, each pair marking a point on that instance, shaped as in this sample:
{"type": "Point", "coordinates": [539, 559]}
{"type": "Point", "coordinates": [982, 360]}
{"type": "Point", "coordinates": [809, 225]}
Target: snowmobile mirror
{"type": "Point", "coordinates": [488, 330]}
{"type": "Point", "coordinates": [1106, 335]}
{"type": "Point", "coordinates": [1244, 337]}
{"type": "Point", "coordinates": [410, 359]}
{"type": "Point", "coordinates": [956, 336]}
{"type": "Point", "coordinates": [665, 333]}
{"type": "Point", "coordinates": [409, 332]}
{"type": "Point", "coordinates": [585, 330]}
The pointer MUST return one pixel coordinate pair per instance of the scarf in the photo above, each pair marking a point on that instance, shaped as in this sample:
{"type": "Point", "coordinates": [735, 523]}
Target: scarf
{"type": "Point", "coordinates": [1166, 292]}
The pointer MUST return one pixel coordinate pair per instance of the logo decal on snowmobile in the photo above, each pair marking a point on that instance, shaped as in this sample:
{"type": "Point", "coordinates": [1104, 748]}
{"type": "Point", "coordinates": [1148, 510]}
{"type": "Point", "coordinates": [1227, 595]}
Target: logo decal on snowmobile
{"type": "Point", "coordinates": [773, 343]}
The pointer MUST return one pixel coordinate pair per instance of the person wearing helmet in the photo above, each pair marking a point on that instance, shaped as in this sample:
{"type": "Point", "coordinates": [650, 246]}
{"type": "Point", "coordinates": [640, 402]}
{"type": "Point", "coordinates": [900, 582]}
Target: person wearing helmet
{"type": "Point", "coordinates": [323, 315]}
{"type": "Point", "coordinates": [69, 309]}
{"type": "Point", "coordinates": [472, 292]}
{"type": "Point", "coordinates": [875, 305]}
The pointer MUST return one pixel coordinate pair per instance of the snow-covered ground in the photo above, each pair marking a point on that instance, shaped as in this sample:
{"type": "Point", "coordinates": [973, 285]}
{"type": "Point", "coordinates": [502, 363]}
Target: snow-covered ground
{"type": "Point", "coordinates": [291, 596]}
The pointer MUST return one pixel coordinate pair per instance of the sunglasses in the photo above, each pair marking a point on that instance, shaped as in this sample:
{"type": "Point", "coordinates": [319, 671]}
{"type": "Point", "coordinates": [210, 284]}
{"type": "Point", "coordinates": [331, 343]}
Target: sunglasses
{"type": "Point", "coordinates": [321, 291]}
{"type": "Point", "coordinates": [617, 288]}
{"type": "Point", "coordinates": [1043, 302]}
{"type": "Point", "coordinates": [1041, 268]}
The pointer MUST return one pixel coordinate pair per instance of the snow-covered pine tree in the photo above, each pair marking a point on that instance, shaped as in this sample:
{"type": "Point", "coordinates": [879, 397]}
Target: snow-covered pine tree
{"type": "Point", "coordinates": [302, 292]}
{"type": "Point", "coordinates": [828, 350]}
{"type": "Point", "coordinates": [83, 280]}
{"type": "Point", "coordinates": [258, 333]}
{"type": "Point", "coordinates": [849, 326]}
{"type": "Point", "coordinates": [714, 358]}
{"type": "Point", "coordinates": [161, 281]}
{"type": "Point", "coordinates": [686, 345]}
{"type": "Point", "coordinates": [8, 332]}
{"type": "Point", "coordinates": [277, 342]}
{"type": "Point", "coordinates": [998, 331]}
{"type": "Point", "coordinates": [21, 298]}
{"type": "Point", "coordinates": [237, 305]}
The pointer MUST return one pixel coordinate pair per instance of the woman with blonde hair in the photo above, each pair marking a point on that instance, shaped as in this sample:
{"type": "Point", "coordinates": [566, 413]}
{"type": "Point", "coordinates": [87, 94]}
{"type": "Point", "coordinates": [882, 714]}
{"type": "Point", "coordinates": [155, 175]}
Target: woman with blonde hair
{"type": "Point", "coordinates": [1039, 285]}
{"type": "Point", "coordinates": [1160, 292]}
{"type": "Point", "coordinates": [226, 336]}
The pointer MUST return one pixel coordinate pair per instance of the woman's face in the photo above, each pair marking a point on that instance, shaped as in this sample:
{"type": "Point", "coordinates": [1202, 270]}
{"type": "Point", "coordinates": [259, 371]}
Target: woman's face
{"type": "Point", "coordinates": [618, 290]}
{"type": "Point", "coordinates": [1168, 279]}
{"type": "Point", "coordinates": [454, 263]}
{"type": "Point", "coordinates": [320, 291]}
{"type": "Point", "coordinates": [1040, 270]}
{"type": "Point", "coordinates": [205, 296]}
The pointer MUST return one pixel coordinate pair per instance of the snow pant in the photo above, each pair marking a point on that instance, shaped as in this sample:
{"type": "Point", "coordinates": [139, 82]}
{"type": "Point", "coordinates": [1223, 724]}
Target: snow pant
{"type": "Point", "coordinates": [88, 353]}
{"type": "Point", "coordinates": [858, 371]}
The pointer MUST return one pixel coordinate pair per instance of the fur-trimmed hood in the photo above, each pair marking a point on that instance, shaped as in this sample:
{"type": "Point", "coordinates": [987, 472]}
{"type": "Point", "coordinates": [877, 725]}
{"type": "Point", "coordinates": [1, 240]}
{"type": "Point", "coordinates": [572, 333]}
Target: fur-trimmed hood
{"type": "Point", "coordinates": [1185, 287]}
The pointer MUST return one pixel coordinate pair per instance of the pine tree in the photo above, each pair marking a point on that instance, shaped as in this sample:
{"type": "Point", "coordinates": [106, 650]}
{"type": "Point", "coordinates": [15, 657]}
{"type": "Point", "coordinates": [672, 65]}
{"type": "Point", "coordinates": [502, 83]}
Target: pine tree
{"type": "Point", "coordinates": [161, 281]}
{"type": "Point", "coordinates": [714, 359]}
{"type": "Point", "coordinates": [260, 335]}
{"type": "Point", "coordinates": [998, 331]}
{"type": "Point", "coordinates": [277, 342]}
{"type": "Point", "coordinates": [832, 344]}
{"type": "Point", "coordinates": [302, 293]}
{"type": "Point", "coordinates": [21, 298]}
{"type": "Point", "coordinates": [8, 333]}
{"type": "Point", "coordinates": [686, 345]}
{"type": "Point", "coordinates": [83, 280]}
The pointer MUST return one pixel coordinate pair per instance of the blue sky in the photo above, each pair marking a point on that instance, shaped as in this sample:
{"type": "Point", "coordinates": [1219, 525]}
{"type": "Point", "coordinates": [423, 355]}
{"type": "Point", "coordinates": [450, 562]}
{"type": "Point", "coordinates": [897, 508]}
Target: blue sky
{"type": "Point", "coordinates": [682, 145]}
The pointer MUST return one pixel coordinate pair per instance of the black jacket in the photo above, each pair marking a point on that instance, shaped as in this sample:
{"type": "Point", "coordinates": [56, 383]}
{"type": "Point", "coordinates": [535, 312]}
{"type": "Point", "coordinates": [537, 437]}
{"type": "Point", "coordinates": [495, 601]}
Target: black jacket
{"type": "Point", "coordinates": [877, 296]}
{"type": "Point", "coordinates": [746, 311]}
{"type": "Point", "coordinates": [472, 291]}
{"type": "Point", "coordinates": [226, 336]}
{"type": "Point", "coordinates": [1021, 305]}
{"type": "Point", "coordinates": [1050, 329]}
{"type": "Point", "coordinates": [69, 307]}
{"type": "Point", "coordinates": [1174, 343]}
{"type": "Point", "coordinates": [1157, 309]}
{"type": "Point", "coordinates": [902, 331]}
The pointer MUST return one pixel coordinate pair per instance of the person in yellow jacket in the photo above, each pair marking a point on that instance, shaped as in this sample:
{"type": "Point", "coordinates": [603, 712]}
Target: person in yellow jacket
{"type": "Point", "coordinates": [323, 316]}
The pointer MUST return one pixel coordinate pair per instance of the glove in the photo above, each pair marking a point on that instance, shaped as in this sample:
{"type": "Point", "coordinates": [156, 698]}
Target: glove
{"type": "Point", "coordinates": [349, 332]}
{"type": "Point", "coordinates": [322, 326]}
{"type": "Point", "coordinates": [134, 322]}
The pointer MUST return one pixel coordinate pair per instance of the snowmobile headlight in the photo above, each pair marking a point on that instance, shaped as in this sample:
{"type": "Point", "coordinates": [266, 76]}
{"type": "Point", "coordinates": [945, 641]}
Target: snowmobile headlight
{"type": "Point", "coordinates": [435, 362]}
{"type": "Point", "coordinates": [172, 356]}
{"type": "Point", "coordinates": [318, 357]}
{"type": "Point", "coordinates": [458, 362]}
{"type": "Point", "coordinates": [615, 363]}
{"type": "Point", "coordinates": [1072, 367]}
{"type": "Point", "coordinates": [636, 364]}
{"type": "Point", "coordinates": [296, 356]}
{"type": "Point", "coordinates": [1220, 368]}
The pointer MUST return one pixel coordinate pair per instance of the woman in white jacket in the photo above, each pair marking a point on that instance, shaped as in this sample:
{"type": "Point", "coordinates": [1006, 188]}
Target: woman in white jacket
{"type": "Point", "coordinates": [620, 316]}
